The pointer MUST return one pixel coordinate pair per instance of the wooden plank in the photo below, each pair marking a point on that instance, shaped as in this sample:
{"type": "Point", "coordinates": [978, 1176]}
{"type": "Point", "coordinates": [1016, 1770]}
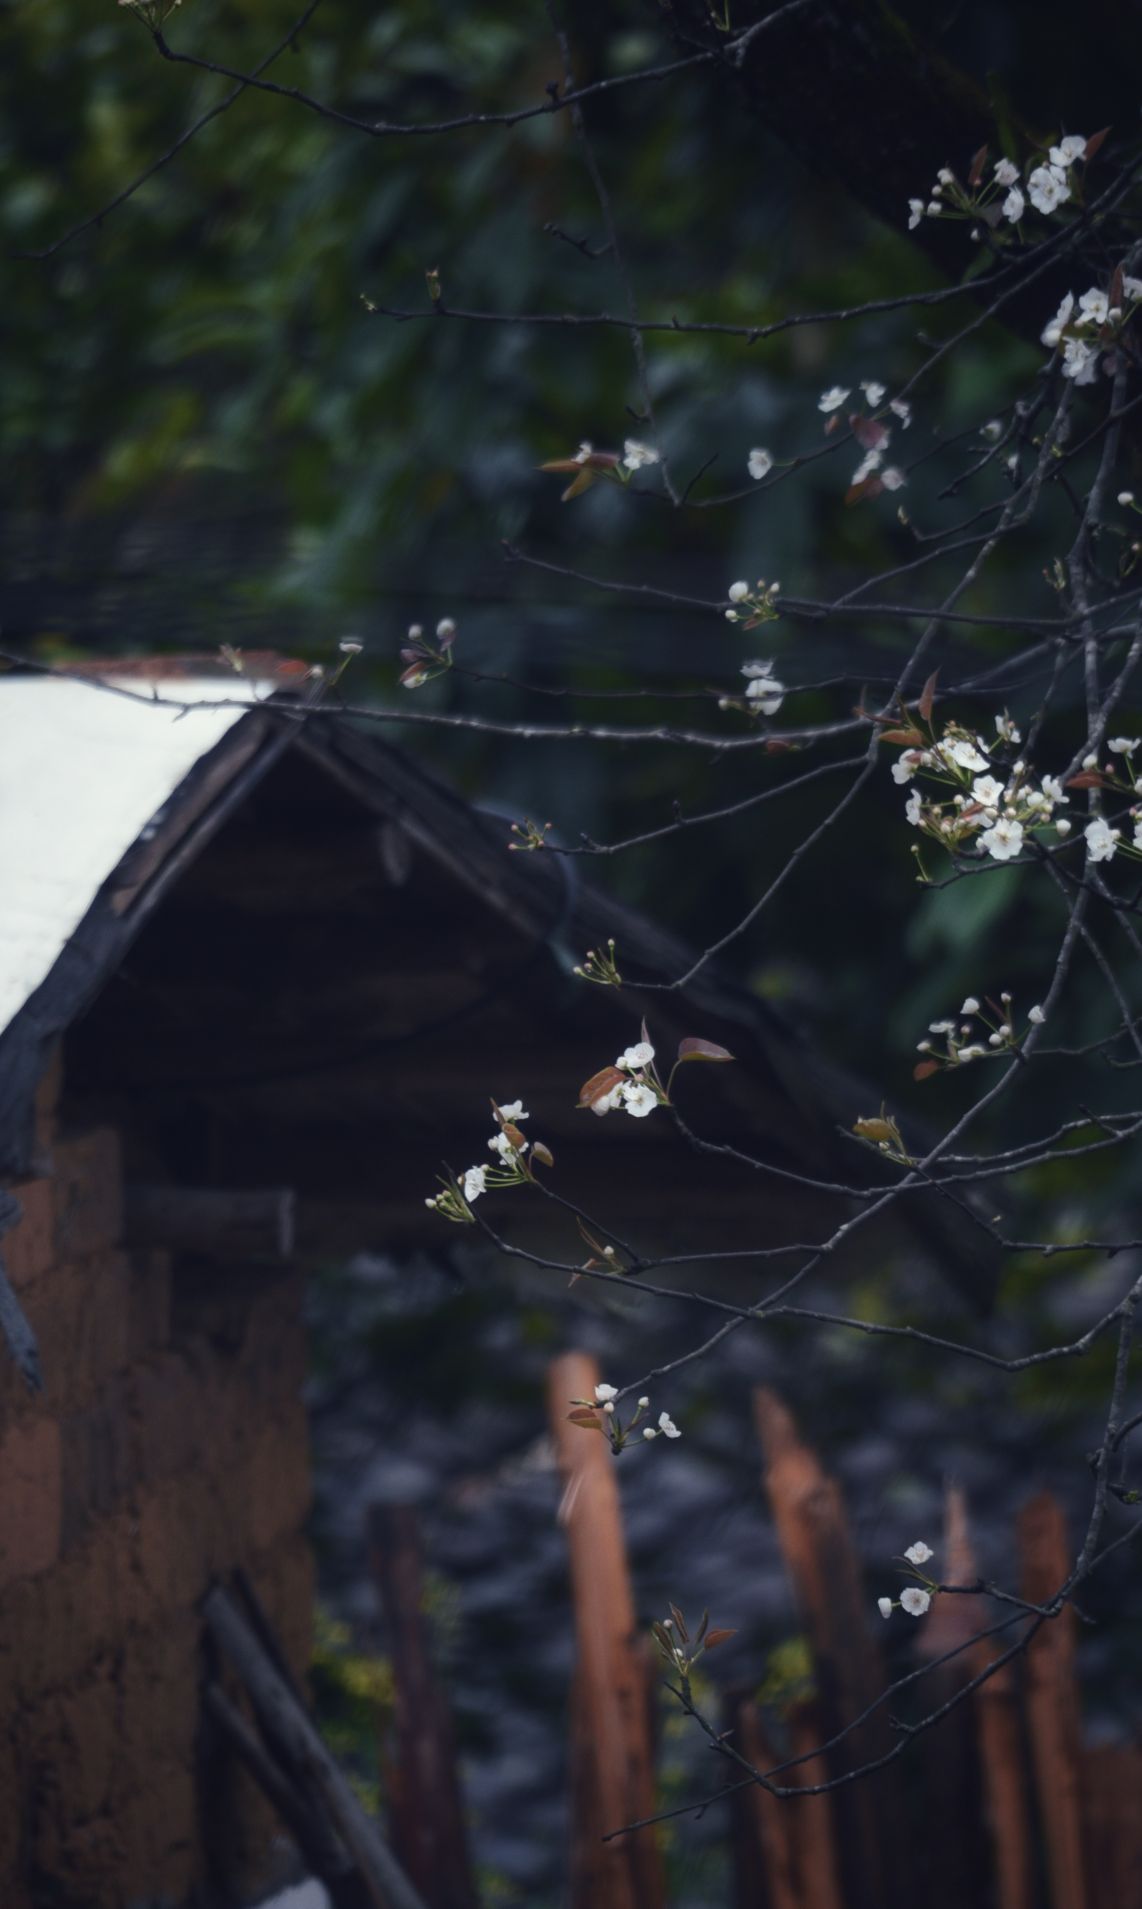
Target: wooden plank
{"type": "Point", "coordinates": [614, 1781]}
{"type": "Point", "coordinates": [952, 1858]}
{"type": "Point", "coordinates": [1052, 1701]}
{"type": "Point", "coordinates": [812, 1825]}
{"type": "Point", "coordinates": [819, 1553]}
{"type": "Point", "coordinates": [307, 1762]}
{"type": "Point", "coordinates": [426, 1810]}
{"type": "Point", "coordinates": [220, 1222]}
{"type": "Point", "coordinates": [761, 1824]}
{"type": "Point", "coordinates": [1112, 1824]}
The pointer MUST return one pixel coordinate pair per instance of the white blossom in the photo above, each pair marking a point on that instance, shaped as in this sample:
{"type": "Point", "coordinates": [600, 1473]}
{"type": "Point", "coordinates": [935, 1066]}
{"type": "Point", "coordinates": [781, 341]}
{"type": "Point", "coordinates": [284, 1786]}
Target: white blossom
{"type": "Point", "coordinates": [1052, 332]}
{"type": "Point", "coordinates": [874, 392]}
{"type": "Point", "coordinates": [738, 592]}
{"type": "Point", "coordinates": [970, 1006]}
{"type": "Point", "coordinates": [585, 451]}
{"type": "Point", "coordinates": [1014, 205]}
{"type": "Point", "coordinates": [760, 464]}
{"type": "Point", "coordinates": [1080, 361]}
{"type": "Point", "coordinates": [1068, 150]}
{"type": "Point", "coordinates": [648, 1431]}
{"type": "Point", "coordinates": [1003, 839]}
{"type": "Point", "coordinates": [473, 1182]}
{"type": "Point", "coordinates": [607, 1103]}
{"type": "Point", "coordinates": [1036, 1016]}
{"type": "Point", "coordinates": [1132, 288]}
{"type": "Point", "coordinates": [992, 431]}
{"type": "Point", "coordinates": [1053, 789]}
{"type": "Point", "coordinates": [1047, 187]}
{"type": "Point", "coordinates": [870, 462]}
{"type": "Point", "coordinates": [514, 1110]}
{"type": "Point", "coordinates": [446, 628]}
{"type": "Point", "coordinates": [913, 808]}
{"type": "Point", "coordinates": [642, 1404]}
{"type": "Point", "coordinates": [667, 1426]}
{"type": "Point", "coordinates": [499, 1143]}
{"type": "Point", "coordinates": [884, 1606]}
{"type": "Point", "coordinates": [1101, 840]}
{"type": "Point", "coordinates": [763, 688]}
{"type": "Point", "coordinates": [915, 206]}
{"type": "Point", "coordinates": [638, 1099]}
{"type": "Point", "coordinates": [1126, 497]}
{"type": "Point", "coordinates": [914, 1601]}
{"type": "Point", "coordinates": [640, 1055]}
{"type": "Point", "coordinates": [1006, 728]}
{"type": "Point", "coordinates": [635, 455]}
{"type": "Point", "coordinates": [987, 791]}
{"type": "Point", "coordinates": [902, 409]}
{"type": "Point", "coordinates": [905, 768]}
{"type": "Point", "coordinates": [919, 1553]}
{"type": "Point", "coordinates": [1005, 173]}
{"type": "Point", "coordinates": [963, 752]}
{"type": "Point", "coordinates": [834, 397]}
{"type": "Point", "coordinates": [1094, 306]}
{"type": "Point", "coordinates": [1062, 826]}
{"type": "Point", "coordinates": [972, 1053]}
{"type": "Point", "coordinates": [604, 1393]}
{"type": "Point", "coordinates": [892, 478]}
{"type": "Point", "coordinates": [1123, 745]}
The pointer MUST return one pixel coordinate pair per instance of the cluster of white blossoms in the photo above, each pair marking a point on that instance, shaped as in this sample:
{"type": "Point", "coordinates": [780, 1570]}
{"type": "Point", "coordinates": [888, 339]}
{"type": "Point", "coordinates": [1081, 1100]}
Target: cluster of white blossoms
{"type": "Point", "coordinates": [982, 1035]}
{"type": "Point", "coordinates": [586, 464]}
{"type": "Point", "coordinates": [752, 603]}
{"type": "Point", "coordinates": [1088, 328]}
{"type": "Point", "coordinates": [600, 1414]}
{"type": "Point", "coordinates": [995, 808]}
{"type": "Point", "coordinates": [637, 1090]}
{"type": "Point", "coordinates": [1001, 196]}
{"type": "Point", "coordinates": [424, 656]}
{"type": "Point", "coordinates": [915, 1599]}
{"type": "Point", "coordinates": [510, 1167]}
{"type": "Point", "coordinates": [872, 430]}
{"type": "Point", "coordinates": [632, 1082]}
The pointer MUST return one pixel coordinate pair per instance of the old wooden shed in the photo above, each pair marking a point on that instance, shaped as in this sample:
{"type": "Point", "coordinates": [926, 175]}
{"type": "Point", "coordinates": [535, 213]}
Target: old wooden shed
{"type": "Point", "coordinates": [259, 975]}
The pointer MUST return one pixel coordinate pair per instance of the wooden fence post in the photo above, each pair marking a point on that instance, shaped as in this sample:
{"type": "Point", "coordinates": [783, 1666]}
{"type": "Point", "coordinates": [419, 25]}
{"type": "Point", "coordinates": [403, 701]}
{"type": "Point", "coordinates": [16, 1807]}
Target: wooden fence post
{"type": "Point", "coordinates": [1052, 1701]}
{"type": "Point", "coordinates": [426, 1810]}
{"type": "Point", "coordinates": [612, 1776]}
{"type": "Point", "coordinates": [952, 1858]}
{"type": "Point", "coordinates": [821, 1558]}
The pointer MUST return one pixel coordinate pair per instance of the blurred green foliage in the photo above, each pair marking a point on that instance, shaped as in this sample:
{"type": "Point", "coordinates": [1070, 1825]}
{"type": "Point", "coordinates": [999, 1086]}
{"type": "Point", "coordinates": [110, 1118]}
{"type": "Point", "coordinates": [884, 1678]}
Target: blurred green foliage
{"type": "Point", "coordinates": [207, 435]}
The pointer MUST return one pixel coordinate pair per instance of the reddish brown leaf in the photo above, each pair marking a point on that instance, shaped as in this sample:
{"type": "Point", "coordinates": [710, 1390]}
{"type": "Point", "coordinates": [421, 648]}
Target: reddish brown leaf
{"type": "Point", "coordinates": [1087, 779]}
{"type": "Point", "coordinates": [543, 1154]}
{"type": "Point", "coordinates": [868, 432]}
{"type": "Point", "coordinates": [718, 1637]}
{"type": "Point", "coordinates": [600, 1085]}
{"type": "Point", "coordinates": [1094, 144]}
{"type": "Point", "coordinates": [693, 1049]}
{"type": "Point", "coordinates": [578, 485]}
{"type": "Point", "coordinates": [978, 163]}
{"type": "Point", "coordinates": [911, 738]}
{"type": "Point", "coordinates": [928, 696]}
{"type": "Point", "coordinates": [585, 1417]}
{"type": "Point", "coordinates": [1114, 295]}
{"type": "Point", "coordinates": [680, 1623]}
{"type": "Point", "coordinates": [777, 746]}
{"type": "Point", "coordinates": [923, 1069]}
{"type": "Point", "coordinates": [868, 487]}
{"type": "Point", "coordinates": [414, 675]}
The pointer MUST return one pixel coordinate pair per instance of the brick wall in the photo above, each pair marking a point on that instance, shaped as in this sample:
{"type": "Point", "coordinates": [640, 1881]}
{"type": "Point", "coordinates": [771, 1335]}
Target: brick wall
{"type": "Point", "coordinates": [169, 1446]}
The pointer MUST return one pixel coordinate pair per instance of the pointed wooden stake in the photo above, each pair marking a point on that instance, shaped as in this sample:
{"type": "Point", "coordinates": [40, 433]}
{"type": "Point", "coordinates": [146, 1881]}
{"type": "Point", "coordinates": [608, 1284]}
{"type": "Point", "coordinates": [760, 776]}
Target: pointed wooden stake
{"type": "Point", "coordinates": [613, 1780]}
